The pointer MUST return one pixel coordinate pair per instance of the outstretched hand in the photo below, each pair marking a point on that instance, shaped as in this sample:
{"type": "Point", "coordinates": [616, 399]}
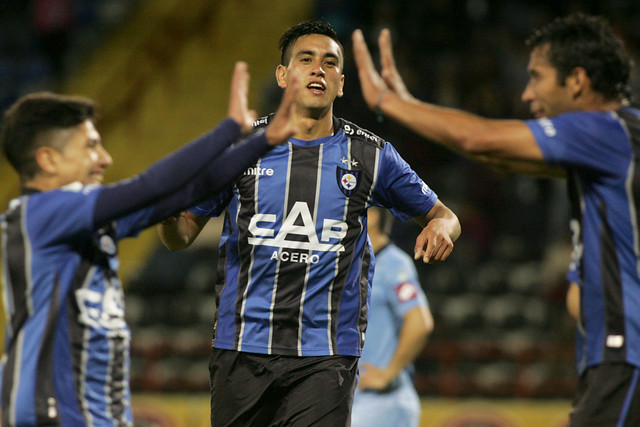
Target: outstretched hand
{"type": "Point", "coordinates": [389, 72]}
{"type": "Point", "coordinates": [282, 127]}
{"type": "Point", "coordinates": [376, 85]}
{"type": "Point", "coordinates": [372, 85]}
{"type": "Point", "coordinates": [238, 104]}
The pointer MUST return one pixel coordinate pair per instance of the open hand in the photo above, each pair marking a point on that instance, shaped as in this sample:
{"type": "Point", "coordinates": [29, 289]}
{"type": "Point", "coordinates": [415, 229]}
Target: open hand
{"type": "Point", "coordinates": [238, 104]}
{"type": "Point", "coordinates": [434, 243]}
{"type": "Point", "coordinates": [282, 126]}
{"type": "Point", "coordinates": [372, 85]}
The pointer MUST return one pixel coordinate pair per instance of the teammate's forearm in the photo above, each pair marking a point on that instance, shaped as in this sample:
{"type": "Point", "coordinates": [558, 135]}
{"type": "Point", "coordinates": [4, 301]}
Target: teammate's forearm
{"type": "Point", "coordinates": [467, 134]}
{"type": "Point", "coordinates": [216, 177]}
{"type": "Point", "coordinates": [166, 176]}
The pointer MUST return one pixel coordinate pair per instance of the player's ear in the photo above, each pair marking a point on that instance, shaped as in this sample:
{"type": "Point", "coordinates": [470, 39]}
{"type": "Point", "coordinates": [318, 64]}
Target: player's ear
{"type": "Point", "coordinates": [341, 89]}
{"type": "Point", "coordinates": [47, 159]}
{"type": "Point", "coordinates": [578, 81]}
{"type": "Point", "coordinates": [281, 76]}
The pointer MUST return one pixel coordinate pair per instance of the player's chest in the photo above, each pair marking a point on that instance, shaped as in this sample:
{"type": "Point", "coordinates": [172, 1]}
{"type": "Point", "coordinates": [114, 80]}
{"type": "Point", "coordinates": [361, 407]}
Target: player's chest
{"type": "Point", "coordinates": [323, 174]}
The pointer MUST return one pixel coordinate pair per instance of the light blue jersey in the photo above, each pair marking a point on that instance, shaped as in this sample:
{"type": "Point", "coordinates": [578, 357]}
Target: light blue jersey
{"type": "Point", "coordinates": [396, 290]}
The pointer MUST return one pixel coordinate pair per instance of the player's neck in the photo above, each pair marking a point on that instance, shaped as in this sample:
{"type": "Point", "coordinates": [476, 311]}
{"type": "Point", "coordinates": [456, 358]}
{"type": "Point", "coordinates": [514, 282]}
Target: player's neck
{"type": "Point", "coordinates": [42, 183]}
{"type": "Point", "coordinates": [314, 126]}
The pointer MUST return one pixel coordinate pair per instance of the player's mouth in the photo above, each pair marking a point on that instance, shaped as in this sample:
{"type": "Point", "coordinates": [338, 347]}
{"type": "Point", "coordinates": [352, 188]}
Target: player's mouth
{"type": "Point", "coordinates": [538, 114]}
{"type": "Point", "coordinates": [317, 88]}
{"type": "Point", "coordinates": [97, 177]}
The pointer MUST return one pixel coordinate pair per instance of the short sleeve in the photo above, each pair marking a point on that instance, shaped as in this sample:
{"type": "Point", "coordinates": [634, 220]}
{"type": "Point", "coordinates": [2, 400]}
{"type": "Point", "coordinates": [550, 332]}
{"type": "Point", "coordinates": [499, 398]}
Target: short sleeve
{"type": "Point", "coordinates": [592, 140]}
{"type": "Point", "coordinates": [399, 187]}
{"type": "Point", "coordinates": [403, 291]}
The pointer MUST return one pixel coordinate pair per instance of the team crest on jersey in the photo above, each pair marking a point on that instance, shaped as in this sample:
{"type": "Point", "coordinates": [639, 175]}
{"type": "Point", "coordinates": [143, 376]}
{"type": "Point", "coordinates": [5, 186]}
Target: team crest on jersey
{"type": "Point", "coordinates": [348, 180]}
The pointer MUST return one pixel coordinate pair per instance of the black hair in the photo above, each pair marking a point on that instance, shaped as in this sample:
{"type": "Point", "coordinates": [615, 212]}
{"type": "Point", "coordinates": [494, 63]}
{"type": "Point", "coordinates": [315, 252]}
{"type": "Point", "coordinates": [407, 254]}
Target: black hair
{"type": "Point", "coordinates": [26, 123]}
{"type": "Point", "coordinates": [306, 28]}
{"type": "Point", "coordinates": [589, 42]}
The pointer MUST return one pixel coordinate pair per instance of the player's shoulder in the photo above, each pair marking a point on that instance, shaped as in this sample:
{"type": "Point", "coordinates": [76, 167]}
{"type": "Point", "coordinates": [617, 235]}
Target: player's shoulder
{"type": "Point", "coordinates": [357, 133]}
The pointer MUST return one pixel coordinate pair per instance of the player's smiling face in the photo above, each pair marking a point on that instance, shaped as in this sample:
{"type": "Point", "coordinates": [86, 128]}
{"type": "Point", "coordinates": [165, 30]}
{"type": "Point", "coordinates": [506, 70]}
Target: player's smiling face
{"type": "Point", "coordinates": [317, 60]}
{"type": "Point", "coordinates": [83, 158]}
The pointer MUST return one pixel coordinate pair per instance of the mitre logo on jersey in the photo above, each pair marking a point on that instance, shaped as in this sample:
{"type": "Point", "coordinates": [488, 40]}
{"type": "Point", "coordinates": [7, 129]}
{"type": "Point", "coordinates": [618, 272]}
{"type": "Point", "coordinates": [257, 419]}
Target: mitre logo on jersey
{"type": "Point", "coordinates": [348, 180]}
{"type": "Point", "coordinates": [298, 231]}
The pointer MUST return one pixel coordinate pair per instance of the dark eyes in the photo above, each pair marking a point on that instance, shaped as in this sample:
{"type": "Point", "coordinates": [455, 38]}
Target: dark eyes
{"type": "Point", "coordinates": [329, 62]}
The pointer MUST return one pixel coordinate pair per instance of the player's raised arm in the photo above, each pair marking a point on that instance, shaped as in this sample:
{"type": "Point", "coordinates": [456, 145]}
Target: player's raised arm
{"type": "Point", "coordinates": [484, 140]}
{"type": "Point", "coordinates": [180, 231]}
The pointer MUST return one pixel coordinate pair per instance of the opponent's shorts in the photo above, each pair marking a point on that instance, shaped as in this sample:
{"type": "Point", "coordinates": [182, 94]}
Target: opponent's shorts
{"type": "Point", "coordinates": [607, 395]}
{"type": "Point", "coordinates": [249, 389]}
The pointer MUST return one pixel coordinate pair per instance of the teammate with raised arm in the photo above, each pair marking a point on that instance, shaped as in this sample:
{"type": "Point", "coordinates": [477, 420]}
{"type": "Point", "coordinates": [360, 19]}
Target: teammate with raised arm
{"type": "Point", "coordinates": [584, 129]}
{"type": "Point", "coordinates": [66, 359]}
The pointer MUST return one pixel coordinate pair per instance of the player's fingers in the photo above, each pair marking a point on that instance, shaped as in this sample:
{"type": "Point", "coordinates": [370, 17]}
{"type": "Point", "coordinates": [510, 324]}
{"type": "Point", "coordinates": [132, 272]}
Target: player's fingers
{"type": "Point", "coordinates": [281, 127]}
{"type": "Point", "coordinates": [386, 49]}
{"type": "Point", "coordinates": [418, 249]}
{"type": "Point", "coordinates": [371, 83]}
{"type": "Point", "coordinates": [288, 98]}
{"type": "Point", "coordinates": [238, 97]}
{"type": "Point", "coordinates": [361, 52]}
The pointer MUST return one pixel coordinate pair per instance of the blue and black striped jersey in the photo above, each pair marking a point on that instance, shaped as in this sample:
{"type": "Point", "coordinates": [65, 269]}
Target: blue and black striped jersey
{"type": "Point", "coordinates": [295, 264]}
{"type": "Point", "coordinates": [600, 151]}
{"type": "Point", "coordinates": [66, 359]}
{"type": "Point", "coordinates": [67, 339]}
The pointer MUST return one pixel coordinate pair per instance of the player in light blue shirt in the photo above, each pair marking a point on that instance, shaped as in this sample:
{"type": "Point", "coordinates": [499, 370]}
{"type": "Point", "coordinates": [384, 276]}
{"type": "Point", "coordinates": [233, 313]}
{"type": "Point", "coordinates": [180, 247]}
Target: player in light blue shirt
{"type": "Point", "coordinates": [399, 323]}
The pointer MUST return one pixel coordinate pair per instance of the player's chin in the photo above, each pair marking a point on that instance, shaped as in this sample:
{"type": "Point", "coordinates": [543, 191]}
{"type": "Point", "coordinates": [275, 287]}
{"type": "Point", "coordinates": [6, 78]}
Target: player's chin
{"type": "Point", "coordinates": [96, 179]}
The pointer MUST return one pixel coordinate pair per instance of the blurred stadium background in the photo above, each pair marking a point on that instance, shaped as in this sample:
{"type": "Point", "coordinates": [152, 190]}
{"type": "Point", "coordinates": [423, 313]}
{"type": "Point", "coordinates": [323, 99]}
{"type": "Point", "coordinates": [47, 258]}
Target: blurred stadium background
{"type": "Point", "coordinates": [502, 351]}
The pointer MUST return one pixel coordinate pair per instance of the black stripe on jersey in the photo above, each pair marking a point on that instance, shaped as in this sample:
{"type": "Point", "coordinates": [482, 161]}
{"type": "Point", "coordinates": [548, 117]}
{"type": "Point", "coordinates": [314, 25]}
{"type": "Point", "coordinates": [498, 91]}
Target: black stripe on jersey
{"type": "Point", "coordinates": [15, 261]}
{"type": "Point", "coordinates": [221, 278]}
{"type": "Point", "coordinates": [116, 380]}
{"type": "Point", "coordinates": [47, 412]}
{"type": "Point", "coordinates": [17, 250]}
{"type": "Point", "coordinates": [246, 186]}
{"type": "Point", "coordinates": [292, 276]}
{"type": "Point", "coordinates": [574, 192]}
{"type": "Point", "coordinates": [612, 289]}
{"type": "Point", "coordinates": [78, 333]}
{"type": "Point", "coordinates": [365, 152]}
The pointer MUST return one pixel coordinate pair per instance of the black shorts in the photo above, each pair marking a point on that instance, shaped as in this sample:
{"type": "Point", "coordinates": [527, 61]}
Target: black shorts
{"type": "Point", "coordinates": [607, 395]}
{"type": "Point", "coordinates": [249, 389]}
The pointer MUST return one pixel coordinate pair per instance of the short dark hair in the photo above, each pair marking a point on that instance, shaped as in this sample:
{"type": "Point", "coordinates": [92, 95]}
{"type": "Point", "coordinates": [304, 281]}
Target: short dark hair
{"type": "Point", "coordinates": [26, 123]}
{"type": "Point", "coordinates": [589, 42]}
{"type": "Point", "coordinates": [306, 28]}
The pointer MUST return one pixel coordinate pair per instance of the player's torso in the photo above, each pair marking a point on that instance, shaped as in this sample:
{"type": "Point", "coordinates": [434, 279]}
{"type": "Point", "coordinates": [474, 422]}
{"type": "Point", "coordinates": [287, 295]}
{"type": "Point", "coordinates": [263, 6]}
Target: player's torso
{"type": "Point", "coordinates": [300, 215]}
{"type": "Point", "coordinates": [66, 302]}
{"type": "Point", "coordinates": [608, 205]}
